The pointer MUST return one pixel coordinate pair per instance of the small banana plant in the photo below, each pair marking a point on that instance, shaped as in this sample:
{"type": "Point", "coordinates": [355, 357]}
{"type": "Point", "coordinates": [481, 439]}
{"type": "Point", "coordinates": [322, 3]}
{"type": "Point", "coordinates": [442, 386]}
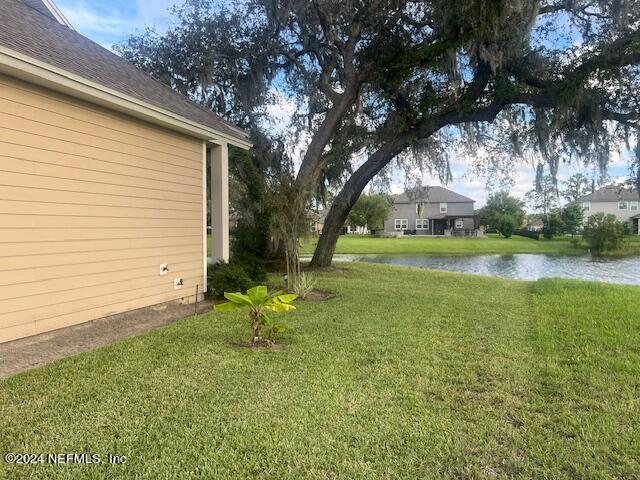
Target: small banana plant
{"type": "Point", "coordinates": [260, 301]}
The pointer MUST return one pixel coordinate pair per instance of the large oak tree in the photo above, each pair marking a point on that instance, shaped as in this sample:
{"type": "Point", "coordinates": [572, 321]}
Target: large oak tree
{"type": "Point", "coordinates": [373, 79]}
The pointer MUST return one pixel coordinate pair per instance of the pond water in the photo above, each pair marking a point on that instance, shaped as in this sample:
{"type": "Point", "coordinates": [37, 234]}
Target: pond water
{"type": "Point", "coordinates": [624, 270]}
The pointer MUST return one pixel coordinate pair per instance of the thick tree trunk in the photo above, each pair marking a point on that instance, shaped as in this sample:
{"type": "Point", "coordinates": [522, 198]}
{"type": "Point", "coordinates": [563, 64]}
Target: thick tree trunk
{"type": "Point", "coordinates": [347, 198]}
{"type": "Point", "coordinates": [349, 195]}
{"type": "Point", "coordinates": [312, 164]}
{"type": "Point", "coordinates": [331, 230]}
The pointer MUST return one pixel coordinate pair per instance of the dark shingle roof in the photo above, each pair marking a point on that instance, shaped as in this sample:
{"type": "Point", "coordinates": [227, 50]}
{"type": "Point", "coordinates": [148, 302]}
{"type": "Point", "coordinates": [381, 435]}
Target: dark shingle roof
{"type": "Point", "coordinates": [26, 29]}
{"type": "Point", "coordinates": [431, 195]}
{"type": "Point", "coordinates": [611, 193]}
{"type": "Point", "coordinates": [40, 7]}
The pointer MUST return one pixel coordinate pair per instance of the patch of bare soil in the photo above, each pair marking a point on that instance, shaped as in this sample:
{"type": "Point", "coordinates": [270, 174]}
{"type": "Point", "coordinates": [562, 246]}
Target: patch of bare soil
{"type": "Point", "coordinates": [317, 295]}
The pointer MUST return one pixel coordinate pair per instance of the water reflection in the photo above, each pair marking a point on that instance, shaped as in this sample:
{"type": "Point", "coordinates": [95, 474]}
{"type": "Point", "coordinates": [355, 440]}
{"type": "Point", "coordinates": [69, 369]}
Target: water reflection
{"type": "Point", "coordinates": [624, 270]}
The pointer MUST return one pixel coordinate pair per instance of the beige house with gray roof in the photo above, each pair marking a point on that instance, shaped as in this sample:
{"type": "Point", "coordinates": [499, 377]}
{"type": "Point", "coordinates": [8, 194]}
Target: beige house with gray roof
{"type": "Point", "coordinates": [431, 211]}
{"type": "Point", "coordinates": [622, 202]}
{"type": "Point", "coordinates": [102, 179]}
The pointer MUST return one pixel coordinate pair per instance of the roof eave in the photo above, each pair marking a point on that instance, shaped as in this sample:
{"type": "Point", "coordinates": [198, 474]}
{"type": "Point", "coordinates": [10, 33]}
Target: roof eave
{"type": "Point", "coordinates": [40, 73]}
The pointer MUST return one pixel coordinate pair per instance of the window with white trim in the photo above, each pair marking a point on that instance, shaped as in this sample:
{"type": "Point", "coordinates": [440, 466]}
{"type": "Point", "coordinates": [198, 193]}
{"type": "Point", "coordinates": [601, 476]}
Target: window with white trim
{"type": "Point", "coordinates": [586, 206]}
{"type": "Point", "coordinates": [401, 223]}
{"type": "Point", "coordinates": [459, 223]}
{"type": "Point", "coordinates": [443, 208]}
{"type": "Point", "coordinates": [633, 206]}
{"type": "Point", "coordinates": [422, 224]}
{"type": "Point", "coordinates": [623, 205]}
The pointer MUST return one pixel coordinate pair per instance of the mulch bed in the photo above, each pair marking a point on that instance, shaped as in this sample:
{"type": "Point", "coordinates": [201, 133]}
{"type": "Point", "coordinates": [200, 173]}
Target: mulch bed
{"type": "Point", "coordinates": [317, 295]}
{"type": "Point", "coordinates": [259, 346]}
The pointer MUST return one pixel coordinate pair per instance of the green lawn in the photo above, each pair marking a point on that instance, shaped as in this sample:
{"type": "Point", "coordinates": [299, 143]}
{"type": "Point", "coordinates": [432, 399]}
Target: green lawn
{"type": "Point", "coordinates": [359, 244]}
{"type": "Point", "coordinates": [363, 244]}
{"type": "Point", "coordinates": [410, 245]}
{"type": "Point", "coordinates": [408, 373]}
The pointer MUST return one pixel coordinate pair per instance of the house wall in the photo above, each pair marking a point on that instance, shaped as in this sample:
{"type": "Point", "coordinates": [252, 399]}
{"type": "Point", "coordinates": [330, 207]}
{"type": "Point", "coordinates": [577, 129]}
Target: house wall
{"type": "Point", "coordinates": [91, 203]}
{"type": "Point", "coordinates": [612, 208]}
{"type": "Point", "coordinates": [429, 211]}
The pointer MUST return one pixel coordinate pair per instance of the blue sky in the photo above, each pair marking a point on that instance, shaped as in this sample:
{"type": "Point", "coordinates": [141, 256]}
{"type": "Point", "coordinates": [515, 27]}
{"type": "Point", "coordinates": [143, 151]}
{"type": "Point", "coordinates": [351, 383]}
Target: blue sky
{"type": "Point", "coordinates": [110, 21]}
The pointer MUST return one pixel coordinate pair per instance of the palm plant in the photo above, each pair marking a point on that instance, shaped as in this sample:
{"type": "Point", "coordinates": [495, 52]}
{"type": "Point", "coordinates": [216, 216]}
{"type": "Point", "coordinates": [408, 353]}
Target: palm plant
{"type": "Point", "coordinates": [259, 302]}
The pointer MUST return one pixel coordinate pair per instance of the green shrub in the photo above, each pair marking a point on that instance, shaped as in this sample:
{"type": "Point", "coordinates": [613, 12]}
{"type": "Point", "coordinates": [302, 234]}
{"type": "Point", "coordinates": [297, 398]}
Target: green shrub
{"type": "Point", "coordinates": [248, 248]}
{"type": "Point", "coordinates": [304, 284]}
{"type": "Point", "coordinates": [507, 225]}
{"type": "Point", "coordinates": [245, 267]}
{"type": "Point", "coordinates": [576, 242]}
{"type": "Point", "coordinates": [604, 232]}
{"type": "Point", "coordinates": [253, 265]}
{"type": "Point", "coordinates": [249, 239]}
{"type": "Point", "coordinates": [228, 277]}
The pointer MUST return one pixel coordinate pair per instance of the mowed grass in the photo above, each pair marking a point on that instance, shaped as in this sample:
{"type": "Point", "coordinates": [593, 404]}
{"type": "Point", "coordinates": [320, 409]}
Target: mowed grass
{"type": "Point", "coordinates": [408, 373]}
{"type": "Point", "coordinates": [425, 245]}
{"type": "Point", "coordinates": [420, 244]}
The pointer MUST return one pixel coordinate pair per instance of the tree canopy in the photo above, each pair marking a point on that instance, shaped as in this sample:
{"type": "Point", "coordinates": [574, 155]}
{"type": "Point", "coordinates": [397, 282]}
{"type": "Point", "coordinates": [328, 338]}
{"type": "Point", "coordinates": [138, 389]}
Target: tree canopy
{"type": "Point", "coordinates": [370, 211]}
{"type": "Point", "coordinates": [544, 197]}
{"type": "Point", "coordinates": [371, 81]}
{"type": "Point", "coordinates": [499, 205]}
{"type": "Point", "coordinates": [576, 186]}
{"type": "Point", "coordinates": [572, 216]}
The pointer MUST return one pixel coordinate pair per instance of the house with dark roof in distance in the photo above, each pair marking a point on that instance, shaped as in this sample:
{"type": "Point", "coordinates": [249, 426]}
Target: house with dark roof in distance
{"type": "Point", "coordinates": [432, 211]}
{"type": "Point", "coordinates": [103, 198]}
{"type": "Point", "coordinates": [534, 225]}
{"type": "Point", "coordinates": [623, 202]}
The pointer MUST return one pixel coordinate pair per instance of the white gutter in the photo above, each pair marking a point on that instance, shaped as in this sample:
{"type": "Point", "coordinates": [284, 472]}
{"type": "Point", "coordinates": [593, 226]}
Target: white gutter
{"type": "Point", "coordinates": [40, 73]}
{"type": "Point", "coordinates": [57, 13]}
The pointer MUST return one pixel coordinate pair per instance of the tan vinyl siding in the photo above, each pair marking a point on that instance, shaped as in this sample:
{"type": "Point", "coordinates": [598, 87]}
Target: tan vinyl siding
{"type": "Point", "coordinates": [91, 203]}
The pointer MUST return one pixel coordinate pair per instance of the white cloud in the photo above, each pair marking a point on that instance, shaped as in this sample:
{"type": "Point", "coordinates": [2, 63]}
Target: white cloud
{"type": "Point", "coordinates": [155, 13]}
{"type": "Point", "coordinates": [109, 22]}
{"type": "Point", "coordinates": [84, 18]}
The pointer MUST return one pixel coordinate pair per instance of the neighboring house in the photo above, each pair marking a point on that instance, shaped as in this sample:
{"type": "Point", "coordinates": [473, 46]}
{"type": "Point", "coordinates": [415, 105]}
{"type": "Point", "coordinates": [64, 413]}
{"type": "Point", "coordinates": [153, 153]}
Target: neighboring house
{"type": "Point", "coordinates": [622, 202]}
{"type": "Point", "coordinates": [317, 220]}
{"type": "Point", "coordinates": [431, 211]}
{"type": "Point", "coordinates": [534, 226]}
{"type": "Point", "coordinates": [103, 193]}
